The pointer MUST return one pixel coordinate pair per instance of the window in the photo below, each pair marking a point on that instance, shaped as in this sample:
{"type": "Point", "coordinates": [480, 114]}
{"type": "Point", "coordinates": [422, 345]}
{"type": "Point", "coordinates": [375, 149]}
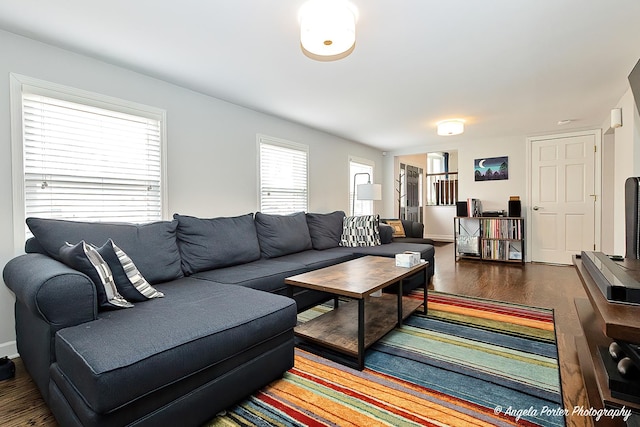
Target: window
{"type": "Point", "coordinates": [283, 169]}
{"type": "Point", "coordinates": [360, 167]}
{"type": "Point", "coordinates": [86, 157]}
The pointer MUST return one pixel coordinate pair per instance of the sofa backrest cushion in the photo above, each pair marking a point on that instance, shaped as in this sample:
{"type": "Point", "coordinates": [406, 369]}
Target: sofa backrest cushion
{"type": "Point", "coordinates": [211, 243]}
{"type": "Point", "coordinates": [282, 234]}
{"type": "Point", "coordinates": [325, 229]}
{"type": "Point", "coordinates": [152, 247]}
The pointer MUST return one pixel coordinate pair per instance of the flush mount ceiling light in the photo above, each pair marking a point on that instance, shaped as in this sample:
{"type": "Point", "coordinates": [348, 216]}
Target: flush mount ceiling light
{"type": "Point", "coordinates": [327, 29]}
{"type": "Point", "coordinates": [450, 127]}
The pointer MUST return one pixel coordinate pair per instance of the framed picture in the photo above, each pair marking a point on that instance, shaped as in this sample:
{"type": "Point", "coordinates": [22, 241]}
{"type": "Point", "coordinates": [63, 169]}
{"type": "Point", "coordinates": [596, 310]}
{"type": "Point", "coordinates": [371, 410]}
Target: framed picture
{"type": "Point", "coordinates": [491, 168]}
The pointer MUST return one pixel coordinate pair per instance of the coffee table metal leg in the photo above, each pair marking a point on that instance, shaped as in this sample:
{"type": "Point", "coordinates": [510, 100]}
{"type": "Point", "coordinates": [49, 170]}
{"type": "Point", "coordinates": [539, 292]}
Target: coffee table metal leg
{"type": "Point", "coordinates": [361, 333]}
{"type": "Point", "coordinates": [400, 303]}
{"type": "Point", "coordinates": [424, 305]}
{"type": "Point", "coordinates": [336, 302]}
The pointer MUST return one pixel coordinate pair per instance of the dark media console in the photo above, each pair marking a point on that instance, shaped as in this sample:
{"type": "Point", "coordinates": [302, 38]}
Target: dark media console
{"type": "Point", "coordinates": [609, 315]}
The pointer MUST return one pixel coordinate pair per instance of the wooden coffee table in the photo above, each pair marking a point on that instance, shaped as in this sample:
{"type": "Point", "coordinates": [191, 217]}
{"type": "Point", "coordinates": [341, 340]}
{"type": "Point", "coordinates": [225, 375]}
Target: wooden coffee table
{"type": "Point", "coordinates": [350, 328]}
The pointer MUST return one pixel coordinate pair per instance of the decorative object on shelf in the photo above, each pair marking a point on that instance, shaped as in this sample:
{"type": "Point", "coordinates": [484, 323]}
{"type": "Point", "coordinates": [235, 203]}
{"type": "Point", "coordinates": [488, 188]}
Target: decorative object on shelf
{"type": "Point", "coordinates": [461, 209]}
{"type": "Point", "coordinates": [327, 29]}
{"type": "Point", "coordinates": [450, 127]}
{"type": "Point", "coordinates": [474, 207]}
{"type": "Point", "coordinates": [515, 209]}
{"type": "Point", "coordinates": [491, 168]}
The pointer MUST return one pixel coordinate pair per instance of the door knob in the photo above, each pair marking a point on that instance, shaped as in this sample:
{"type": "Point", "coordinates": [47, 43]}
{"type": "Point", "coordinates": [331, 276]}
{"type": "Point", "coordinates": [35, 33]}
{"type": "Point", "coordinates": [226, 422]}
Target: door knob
{"type": "Point", "coordinates": [535, 208]}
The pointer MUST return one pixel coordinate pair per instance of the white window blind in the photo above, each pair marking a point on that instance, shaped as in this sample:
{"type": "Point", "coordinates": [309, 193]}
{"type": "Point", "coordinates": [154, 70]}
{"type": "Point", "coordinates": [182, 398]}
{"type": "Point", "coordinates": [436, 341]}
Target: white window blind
{"type": "Point", "coordinates": [82, 162]}
{"type": "Point", "coordinates": [283, 176]}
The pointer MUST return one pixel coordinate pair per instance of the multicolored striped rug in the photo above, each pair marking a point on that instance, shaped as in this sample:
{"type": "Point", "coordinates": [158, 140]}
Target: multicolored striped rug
{"type": "Point", "coordinates": [468, 362]}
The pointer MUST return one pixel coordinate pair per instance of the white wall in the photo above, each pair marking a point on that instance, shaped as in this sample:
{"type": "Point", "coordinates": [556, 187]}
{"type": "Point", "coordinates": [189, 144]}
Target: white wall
{"type": "Point", "coordinates": [627, 164]}
{"type": "Point", "coordinates": [212, 168]}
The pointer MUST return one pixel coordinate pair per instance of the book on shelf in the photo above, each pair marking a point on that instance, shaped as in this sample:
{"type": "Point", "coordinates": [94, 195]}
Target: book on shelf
{"type": "Point", "coordinates": [502, 229]}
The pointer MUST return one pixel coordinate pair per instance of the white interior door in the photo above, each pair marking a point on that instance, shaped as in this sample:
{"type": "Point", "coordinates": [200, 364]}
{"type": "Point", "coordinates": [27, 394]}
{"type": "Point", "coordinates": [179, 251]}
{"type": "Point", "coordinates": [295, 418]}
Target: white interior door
{"type": "Point", "coordinates": [562, 197]}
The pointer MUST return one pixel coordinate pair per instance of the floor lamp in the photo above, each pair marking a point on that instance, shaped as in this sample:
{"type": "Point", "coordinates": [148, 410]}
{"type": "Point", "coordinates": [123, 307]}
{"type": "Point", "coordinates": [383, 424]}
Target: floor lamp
{"type": "Point", "coordinates": [366, 191]}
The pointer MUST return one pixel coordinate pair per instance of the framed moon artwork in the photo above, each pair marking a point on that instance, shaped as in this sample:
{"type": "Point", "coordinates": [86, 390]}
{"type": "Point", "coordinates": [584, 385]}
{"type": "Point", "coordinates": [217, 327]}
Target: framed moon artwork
{"type": "Point", "coordinates": [491, 168]}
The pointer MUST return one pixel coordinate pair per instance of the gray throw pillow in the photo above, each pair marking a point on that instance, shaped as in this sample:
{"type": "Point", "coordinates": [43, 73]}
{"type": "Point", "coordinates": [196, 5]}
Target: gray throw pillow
{"type": "Point", "coordinates": [152, 247]}
{"type": "Point", "coordinates": [87, 260]}
{"type": "Point", "coordinates": [386, 233]}
{"type": "Point", "coordinates": [325, 229]}
{"type": "Point", "coordinates": [282, 234]}
{"type": "Point", "coordinates": [129, 281]}
{"type": "Point", "coordinates": [206, 244]}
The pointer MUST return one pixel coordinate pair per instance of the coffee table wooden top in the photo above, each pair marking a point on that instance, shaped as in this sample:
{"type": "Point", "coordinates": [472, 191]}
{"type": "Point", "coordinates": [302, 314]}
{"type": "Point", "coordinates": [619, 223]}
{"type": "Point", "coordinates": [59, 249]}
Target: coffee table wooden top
{"type": "Point", "coordinates": [356, 278]}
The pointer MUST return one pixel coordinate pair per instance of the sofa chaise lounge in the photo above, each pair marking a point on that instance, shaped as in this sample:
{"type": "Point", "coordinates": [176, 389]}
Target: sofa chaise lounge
{"type": "Point", "coordinates": [209, 325]}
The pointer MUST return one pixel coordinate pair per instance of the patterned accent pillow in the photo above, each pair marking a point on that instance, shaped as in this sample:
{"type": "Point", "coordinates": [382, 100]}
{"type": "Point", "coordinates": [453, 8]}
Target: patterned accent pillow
{"type": "Point", "coordinates": [86, 259]}
{"type": "Point", "coordinates": [360, 231]}
{"type": "Point", "coordinates": [398, 228]}
{"type": "Point", "coordinates": [128, 279]}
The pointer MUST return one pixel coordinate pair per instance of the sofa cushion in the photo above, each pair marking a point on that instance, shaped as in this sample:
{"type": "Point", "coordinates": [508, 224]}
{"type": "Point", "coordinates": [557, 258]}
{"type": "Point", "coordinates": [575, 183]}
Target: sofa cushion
{"type": "Point", "coordinates": [282, 234]}
{"type": "Point", "coordinates": [206, 244]}
{"type": "Point", "coordinates": [263, 274]}
{"type": "Point", "coordinates": [314, 259]}
{"type": "Point", "coordinates": [162, 341]}
{"type": "Point", "coordinates": [426, 251]}
{"type": "Point", "coordinates": [130, 282]}
{"type": "Point", "coordinates": [87, 260]}
{"type": "Point", "coordinates": [360, 231]}
{"type": "Point", "coordinates": [152, 247]}
{"type": "Point", "coordinates": [325, 229]}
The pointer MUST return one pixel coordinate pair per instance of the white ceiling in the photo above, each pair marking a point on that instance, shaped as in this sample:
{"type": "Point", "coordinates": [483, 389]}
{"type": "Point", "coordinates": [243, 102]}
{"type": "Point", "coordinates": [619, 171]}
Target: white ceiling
{"type": "Point", "coordinates": [509, 67]}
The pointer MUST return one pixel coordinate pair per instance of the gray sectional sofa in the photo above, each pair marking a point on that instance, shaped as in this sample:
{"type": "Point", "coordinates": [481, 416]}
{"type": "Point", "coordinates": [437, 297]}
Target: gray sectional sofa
{"type": "Point", "coordinates": [208, 326]}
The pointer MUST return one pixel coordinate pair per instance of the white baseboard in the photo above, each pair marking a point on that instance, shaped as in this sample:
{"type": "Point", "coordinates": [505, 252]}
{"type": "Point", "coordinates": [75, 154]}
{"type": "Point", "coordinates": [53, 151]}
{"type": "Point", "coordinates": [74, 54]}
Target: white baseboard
{"type": "Point", "coordinates": [9, 349]}
{"type": "Point", "coordinates": [440, 238]}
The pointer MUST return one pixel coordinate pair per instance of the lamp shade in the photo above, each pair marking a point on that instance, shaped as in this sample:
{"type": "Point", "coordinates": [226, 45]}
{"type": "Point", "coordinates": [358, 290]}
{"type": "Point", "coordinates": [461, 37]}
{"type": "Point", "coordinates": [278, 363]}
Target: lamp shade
{"type": "Point", "coordinates": [450, 127]}
{"type": "Point", "coordinates": [327, 29]}
{"type": "Point", "coordinates": [369, 192]}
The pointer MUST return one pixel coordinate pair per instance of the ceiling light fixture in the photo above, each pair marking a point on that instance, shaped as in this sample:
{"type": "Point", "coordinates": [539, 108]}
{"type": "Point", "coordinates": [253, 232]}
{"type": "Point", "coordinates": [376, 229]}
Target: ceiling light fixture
{"type": "Point", "coordinates": [327, 29]}
{"type": "Point", "coordinates": [450, 127]}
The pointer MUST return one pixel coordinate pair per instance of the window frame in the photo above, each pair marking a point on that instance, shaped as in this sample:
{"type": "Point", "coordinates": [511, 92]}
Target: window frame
{"type": "Point", "coordinates": [278, 142]}
{"type": "Point", "coordinates": [19, 83]}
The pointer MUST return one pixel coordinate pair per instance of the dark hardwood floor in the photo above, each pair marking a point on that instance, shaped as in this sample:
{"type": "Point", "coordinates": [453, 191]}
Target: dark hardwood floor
{"type": "Point", "coordinates": [533, 284]}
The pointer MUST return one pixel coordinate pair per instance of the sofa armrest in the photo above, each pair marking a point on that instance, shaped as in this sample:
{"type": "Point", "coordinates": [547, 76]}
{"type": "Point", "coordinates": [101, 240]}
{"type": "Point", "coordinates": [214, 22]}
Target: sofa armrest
{"type": "Point", "coordinates": [413, 228]}
{"type": "Point", "coordinates": [58, 294]}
